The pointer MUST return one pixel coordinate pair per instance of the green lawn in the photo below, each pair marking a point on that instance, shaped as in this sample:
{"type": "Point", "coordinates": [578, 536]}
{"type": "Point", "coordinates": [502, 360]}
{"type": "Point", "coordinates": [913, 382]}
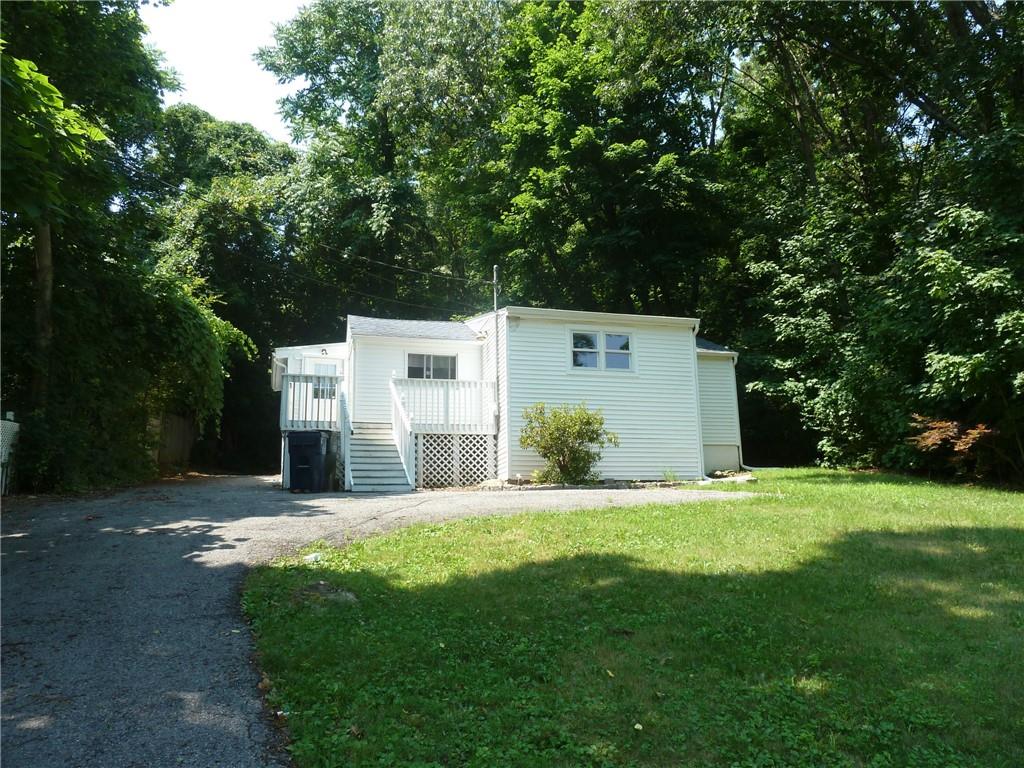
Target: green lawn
{"type": "Point", "coordinates": [835, 620]}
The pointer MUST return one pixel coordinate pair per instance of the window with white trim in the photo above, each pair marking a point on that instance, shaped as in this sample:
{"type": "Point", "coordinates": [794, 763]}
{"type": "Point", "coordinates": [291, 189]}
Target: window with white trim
{"type": "Point", "coordinates": [585, 350]}
{"type": "Point", "coordinates": [431, 366]}
{"type": "Point", "coordinates": [602, 349]}
{"type": "Point", "coordinates": [324, 389]}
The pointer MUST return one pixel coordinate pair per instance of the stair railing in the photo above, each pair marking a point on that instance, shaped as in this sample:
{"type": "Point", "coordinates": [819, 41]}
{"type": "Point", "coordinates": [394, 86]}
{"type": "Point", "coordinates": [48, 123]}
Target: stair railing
{"type": "Point", "coordinates": [345, 428]}
{"type": "Point", "coordinates": [401, 433]}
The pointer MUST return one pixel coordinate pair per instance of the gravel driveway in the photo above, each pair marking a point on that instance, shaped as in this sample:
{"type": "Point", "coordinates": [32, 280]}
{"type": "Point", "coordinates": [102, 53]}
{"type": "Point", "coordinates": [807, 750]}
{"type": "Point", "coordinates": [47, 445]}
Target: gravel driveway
{"type": "Point", "coordinates": [123, 643]}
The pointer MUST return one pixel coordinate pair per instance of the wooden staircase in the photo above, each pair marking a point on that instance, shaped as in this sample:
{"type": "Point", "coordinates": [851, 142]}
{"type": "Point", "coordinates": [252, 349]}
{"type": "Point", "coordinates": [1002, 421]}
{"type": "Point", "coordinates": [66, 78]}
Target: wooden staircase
{"type": "Point", "coordinates": [376, 464]}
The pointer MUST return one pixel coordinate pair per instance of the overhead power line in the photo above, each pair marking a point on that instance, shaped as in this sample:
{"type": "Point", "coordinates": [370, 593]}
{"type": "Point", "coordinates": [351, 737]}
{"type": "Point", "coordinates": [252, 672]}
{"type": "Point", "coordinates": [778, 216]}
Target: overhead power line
{"type": "Point", "coordinates": [348, 289]}
{"type": "Point", "coordinates": [130, 166]}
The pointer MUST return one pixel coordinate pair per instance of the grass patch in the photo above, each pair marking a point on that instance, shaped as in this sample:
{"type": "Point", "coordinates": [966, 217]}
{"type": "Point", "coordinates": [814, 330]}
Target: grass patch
{"type": "Point", "coordinates": [835, 620]}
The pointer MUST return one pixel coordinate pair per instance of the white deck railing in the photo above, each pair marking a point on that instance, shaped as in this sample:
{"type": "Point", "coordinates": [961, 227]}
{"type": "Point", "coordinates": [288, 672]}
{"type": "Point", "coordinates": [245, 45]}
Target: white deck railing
{"type": "Point", "coordinates": [401, 433]}
{"type": "Point", "coordinates": [446, 406]}
{"type": "Point", "coordinates": [345, 425]}
{"type": "Point", "coordinates": [309, 401]}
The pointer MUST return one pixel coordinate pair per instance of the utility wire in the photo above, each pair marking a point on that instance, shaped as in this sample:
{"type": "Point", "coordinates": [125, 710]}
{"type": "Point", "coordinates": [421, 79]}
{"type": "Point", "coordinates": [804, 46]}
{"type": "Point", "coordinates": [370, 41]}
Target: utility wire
{"type": "Point", "coordinates": [336, 286]}
{"type": "Point", "coordinates": [130, 166]}
{"type": "Point", "coordinates": [346, 289]}
{"type": "Point", "coordinates": [346, 256]}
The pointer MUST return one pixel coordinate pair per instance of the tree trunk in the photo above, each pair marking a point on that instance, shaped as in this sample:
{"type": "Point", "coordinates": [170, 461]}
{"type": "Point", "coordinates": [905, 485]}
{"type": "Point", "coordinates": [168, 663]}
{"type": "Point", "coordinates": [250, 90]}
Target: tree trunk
{"type": "Point", "coordinates": [44, 314]}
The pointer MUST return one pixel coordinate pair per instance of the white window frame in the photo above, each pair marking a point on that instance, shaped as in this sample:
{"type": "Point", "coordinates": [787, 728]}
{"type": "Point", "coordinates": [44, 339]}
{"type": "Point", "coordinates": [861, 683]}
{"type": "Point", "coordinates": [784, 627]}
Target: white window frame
{"type": "Point", "coordinates": [573, 349]}
{"type": "Point", "coordinates": [602, 350]}
{"type": "Point", "coordinates": [428, 357]}
{"type": "Point", "coordinates": [324, 391]}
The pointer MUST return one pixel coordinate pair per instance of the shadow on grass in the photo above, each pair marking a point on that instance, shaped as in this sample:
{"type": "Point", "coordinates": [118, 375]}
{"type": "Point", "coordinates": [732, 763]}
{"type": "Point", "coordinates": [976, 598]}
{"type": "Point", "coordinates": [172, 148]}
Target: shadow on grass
{"type": "Point", "coordinates": [888, 649]}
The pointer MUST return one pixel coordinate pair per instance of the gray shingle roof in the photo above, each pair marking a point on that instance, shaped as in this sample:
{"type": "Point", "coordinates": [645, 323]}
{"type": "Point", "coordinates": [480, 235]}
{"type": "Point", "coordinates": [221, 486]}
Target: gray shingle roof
{"type": "Point", "coordinates": [711, 346]}
{"type": "Point", "coordinates": [409, 329]}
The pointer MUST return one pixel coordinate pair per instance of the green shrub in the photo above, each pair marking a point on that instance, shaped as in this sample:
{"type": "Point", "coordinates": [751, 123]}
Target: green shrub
{"type": "Point", "coordinates": [568, 438]}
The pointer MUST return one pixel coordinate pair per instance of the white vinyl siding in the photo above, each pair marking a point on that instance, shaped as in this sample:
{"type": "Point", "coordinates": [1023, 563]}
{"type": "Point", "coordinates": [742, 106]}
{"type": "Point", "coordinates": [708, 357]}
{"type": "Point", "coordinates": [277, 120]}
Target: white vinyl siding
{"type": "Point", "coordinates": [652, 407]}
{"type": "Point", "coordinates": [719, 412]}
{"type": "Point", "coordinates": [378, 358]}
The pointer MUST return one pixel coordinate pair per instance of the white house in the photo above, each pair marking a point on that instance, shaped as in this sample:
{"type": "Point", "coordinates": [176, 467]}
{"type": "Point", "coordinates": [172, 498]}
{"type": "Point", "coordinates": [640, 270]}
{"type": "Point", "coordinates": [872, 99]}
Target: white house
{"type": "Point", "coordinates": [412, 403]}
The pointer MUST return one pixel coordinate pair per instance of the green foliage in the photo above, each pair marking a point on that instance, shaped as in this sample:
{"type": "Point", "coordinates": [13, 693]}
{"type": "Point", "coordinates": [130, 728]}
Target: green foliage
{"type": "Point", "coordinates": [603, 193]}
{"type": "Point", "coordinates": [194, 347]}
{"type": "Point", "coordinates": [190, 144]}
{"type": "Point", "coordinates": [568, 438]}
{"type": "Point", "coordinates": [130, 340]}
{"type": "Point", "coordinates": [96, 55]}
{"type": "Point", "coordinates": [834, 190]}
{"type": "Point", "coordinates": [118, 366]}
{"type": "Point", "coordinates": [229, 244]}
{"type": "Point", "coordinates": [356, 199]}
{"type": "Point", "coordinates": [888, 259]}
{"type": "Point", "coordinates": [41, 135]}
{"type": "Point", "coordinates": [837, 619]}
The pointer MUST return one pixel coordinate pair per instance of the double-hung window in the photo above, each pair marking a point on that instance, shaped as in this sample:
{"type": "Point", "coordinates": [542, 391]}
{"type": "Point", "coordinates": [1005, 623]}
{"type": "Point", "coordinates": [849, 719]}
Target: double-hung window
{"type": "Point", "coordinates": [617, 354]}
{"type": "Point", "coordinates": [324, 389]}
{"type": "Point", "coordinates": [602, 349]}
{"type": "Point", "coordinates": [431, 366]}
{"type": "Point", "coordinates": [585, 348]}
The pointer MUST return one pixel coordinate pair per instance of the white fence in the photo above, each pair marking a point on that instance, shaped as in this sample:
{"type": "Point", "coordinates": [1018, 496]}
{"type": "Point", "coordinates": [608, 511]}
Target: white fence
{"type": "Point", "coordinates": [441, 406]}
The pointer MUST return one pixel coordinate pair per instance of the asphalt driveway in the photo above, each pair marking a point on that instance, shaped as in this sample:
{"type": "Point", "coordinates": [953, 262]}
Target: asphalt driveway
{"type": "Point", "coordinates": [123, 642]}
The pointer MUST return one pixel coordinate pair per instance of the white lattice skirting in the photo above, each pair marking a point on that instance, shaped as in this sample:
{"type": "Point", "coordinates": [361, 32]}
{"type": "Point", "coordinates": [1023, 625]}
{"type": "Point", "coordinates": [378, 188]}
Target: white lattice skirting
{"type": "Point", "coordinates": [448, 460]}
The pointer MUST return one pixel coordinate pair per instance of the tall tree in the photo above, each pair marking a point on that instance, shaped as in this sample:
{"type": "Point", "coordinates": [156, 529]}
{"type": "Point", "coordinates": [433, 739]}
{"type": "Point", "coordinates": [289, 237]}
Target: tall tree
{"type": "Point", "coordinates": [120, 342]}
{"type": "Point", "coordinates": [362, 221]}
{"type": "Point", "coordinates": [222, 226]}
{"type": "Point", "coordinates": [891, 135]}
{"type": "Point", "coordinates": [42, 139]}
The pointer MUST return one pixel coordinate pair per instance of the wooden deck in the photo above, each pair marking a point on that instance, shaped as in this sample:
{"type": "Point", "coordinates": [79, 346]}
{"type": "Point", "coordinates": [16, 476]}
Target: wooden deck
{"type": "Point", "coordinates": [437, 406]}
{"type": "Point", "coordinates": [311, 402]}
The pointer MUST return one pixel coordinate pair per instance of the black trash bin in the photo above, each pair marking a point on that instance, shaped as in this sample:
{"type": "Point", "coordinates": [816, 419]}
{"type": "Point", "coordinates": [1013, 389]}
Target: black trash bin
{"type": "Point", "coordinates": [307, 455]}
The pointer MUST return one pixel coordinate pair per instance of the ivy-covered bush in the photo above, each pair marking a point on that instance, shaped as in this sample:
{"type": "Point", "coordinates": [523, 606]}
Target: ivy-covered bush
{"type": "Point", "coordinates": [159, 348]}
{"type": "Point", "coordinates": [569, 438]}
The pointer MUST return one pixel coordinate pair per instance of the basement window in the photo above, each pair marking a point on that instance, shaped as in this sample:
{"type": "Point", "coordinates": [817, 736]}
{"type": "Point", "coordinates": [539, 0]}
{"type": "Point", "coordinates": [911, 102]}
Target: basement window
{"type": "Point", "coordinates": [431, 366]}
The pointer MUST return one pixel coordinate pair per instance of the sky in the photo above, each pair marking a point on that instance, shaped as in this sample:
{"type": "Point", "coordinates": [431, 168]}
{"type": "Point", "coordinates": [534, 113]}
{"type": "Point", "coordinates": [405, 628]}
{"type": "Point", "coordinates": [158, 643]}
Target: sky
{"type": "Point", "coordinates": [210, 43]}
